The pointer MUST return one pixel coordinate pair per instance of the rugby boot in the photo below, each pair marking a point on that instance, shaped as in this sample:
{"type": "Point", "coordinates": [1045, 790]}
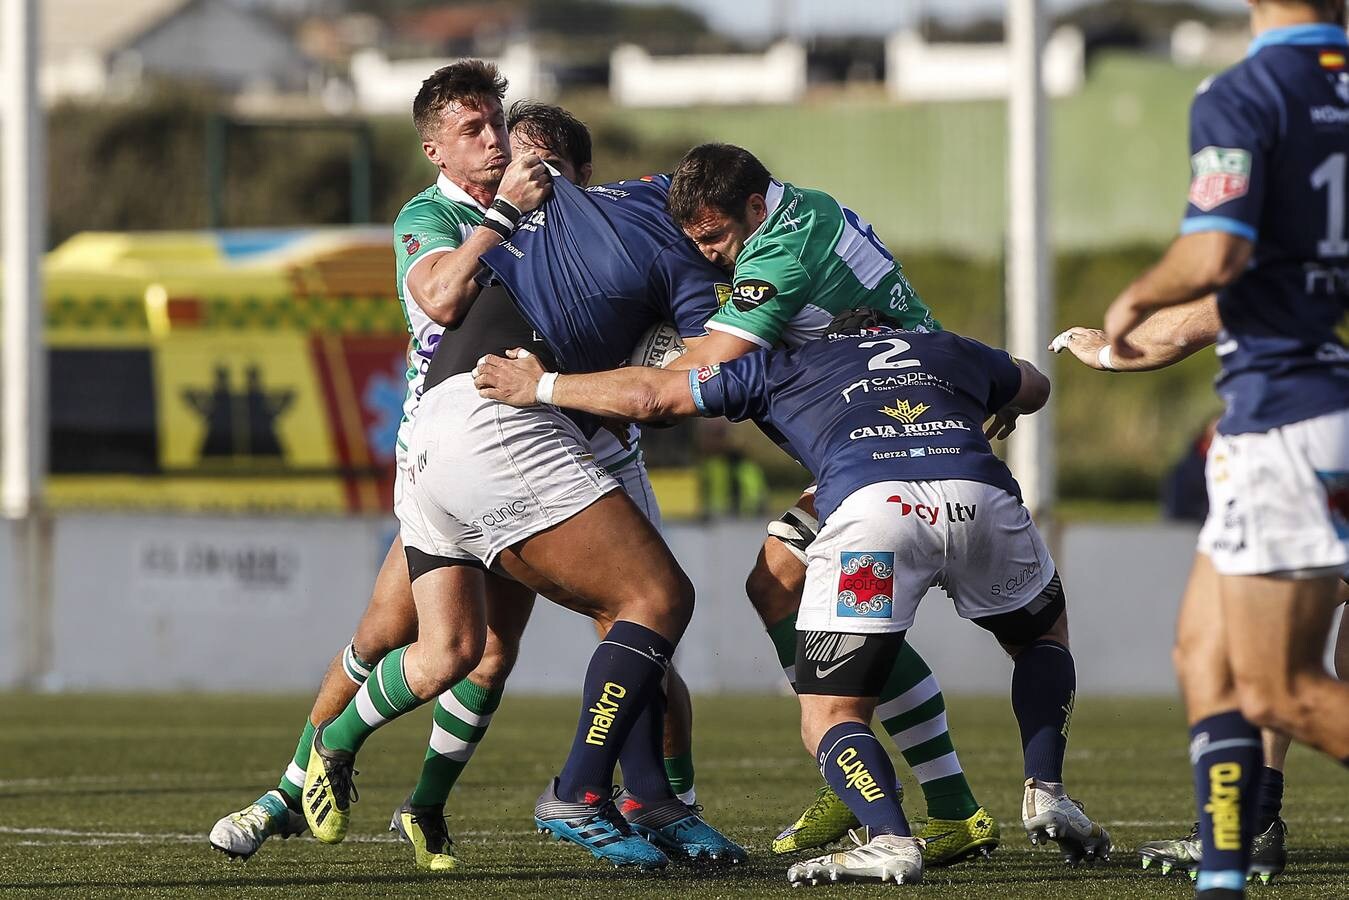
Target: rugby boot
{"type": "Point", "coordinates": [886, 857]}
{"type": "Point", "coordinates": [949, 841]}
{"type": "Point", "coordinates": [1269, 852]}
{"type": "Point", "coordinates": [679, 830]}
{"type": "Point", "coordinates": [1049, 814]}
{"type": "Point", "coordinates": [1177, 853]}
{"type": "Point", "coordinates": [424, 827]}
{"type": "Point", "coordinates": [328, 789]}
{"type": "Point", "coordinates": [825, 821]}
{"type": "Point", "coordinates": [241, 834]}
{"type": "Point", "coordinates": [596, 825]}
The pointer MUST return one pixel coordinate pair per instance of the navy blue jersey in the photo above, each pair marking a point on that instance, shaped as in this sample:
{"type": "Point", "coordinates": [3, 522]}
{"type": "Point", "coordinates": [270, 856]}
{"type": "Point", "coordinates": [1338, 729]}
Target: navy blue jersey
{"type": "Point", "coordinates": [1269, 140]}
{"type": "Point", "coordinates": [593, 269]}
{"type": "Point", "coordinates": [888, 406]}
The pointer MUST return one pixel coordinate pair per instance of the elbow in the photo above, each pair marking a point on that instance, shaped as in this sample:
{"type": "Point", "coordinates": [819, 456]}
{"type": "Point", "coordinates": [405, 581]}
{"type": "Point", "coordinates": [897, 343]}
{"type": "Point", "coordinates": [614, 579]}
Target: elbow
{"type": "Point", "coordinates": [647, 406]}
{"type": "Point", "coordinates": [448, 313]}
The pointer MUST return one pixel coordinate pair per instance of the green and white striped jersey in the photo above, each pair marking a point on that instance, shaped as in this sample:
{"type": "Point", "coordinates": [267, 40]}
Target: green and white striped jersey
{"type": "Point", "coordinates": [811, 259]}
{"type": "Point", "coordinates": [440, 218]}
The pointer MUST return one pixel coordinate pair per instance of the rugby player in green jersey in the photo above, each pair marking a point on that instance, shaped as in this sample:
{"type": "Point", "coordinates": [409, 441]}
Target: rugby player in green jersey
{"type": "Point", "coordinates": [438, 237]}
{"type": "Point", "coordinates": [799, 258]}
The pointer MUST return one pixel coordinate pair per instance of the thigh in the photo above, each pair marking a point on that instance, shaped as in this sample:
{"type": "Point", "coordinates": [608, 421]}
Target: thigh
{"type": "Point", "coordinates": [451, 606]}
{"type": "Point", "coordinates": [1201, 645]}
{"type": "Point", "coordinates": [603, 557]}
{"type": "Point", "coordinates": [1275, 627]}
{"type": "Point", "coordinates": [509, 605]}
{"type": "Point", "coordinates": [874, 559]}
{"type": "Point", "coordinates": [996, 561]}
{"type": "Point", "coordinates": [390, 619]}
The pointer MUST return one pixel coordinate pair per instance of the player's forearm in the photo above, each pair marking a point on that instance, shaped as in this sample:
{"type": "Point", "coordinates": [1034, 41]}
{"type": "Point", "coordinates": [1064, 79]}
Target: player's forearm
{"type": "Point", "coordinates": [635, 394]}
{"type": "Point", "coordinates": [1172, 334]}
{"type": "Point", "coordinates": [1195, 266]}
{"type": "Point", "coordinates": [447, 293]}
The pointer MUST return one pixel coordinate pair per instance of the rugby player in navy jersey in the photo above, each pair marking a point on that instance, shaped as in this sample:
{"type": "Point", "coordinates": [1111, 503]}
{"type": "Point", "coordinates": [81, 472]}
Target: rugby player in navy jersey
{"type": "Point", "coordinates": [890, 422]}
{"type": "Point", "coordinates": [1265, 229]}
{"type": "Point", "coordinates": [490, 490]}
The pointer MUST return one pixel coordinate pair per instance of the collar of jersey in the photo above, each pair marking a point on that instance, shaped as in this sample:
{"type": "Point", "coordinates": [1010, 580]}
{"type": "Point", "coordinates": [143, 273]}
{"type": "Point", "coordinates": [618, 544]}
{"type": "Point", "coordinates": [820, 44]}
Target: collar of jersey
{"type": "Point", "coordinates": [772, 200]}
{"type": "Point", "coordinates": [1319, 34]}
{"type": "Point", "coordinates": [454, 192]}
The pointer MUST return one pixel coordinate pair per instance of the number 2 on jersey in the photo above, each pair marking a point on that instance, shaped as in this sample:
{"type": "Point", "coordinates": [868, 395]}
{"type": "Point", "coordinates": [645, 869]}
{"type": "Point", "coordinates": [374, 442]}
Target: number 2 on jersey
{"type": "Point", "coordinates": [890, 359]}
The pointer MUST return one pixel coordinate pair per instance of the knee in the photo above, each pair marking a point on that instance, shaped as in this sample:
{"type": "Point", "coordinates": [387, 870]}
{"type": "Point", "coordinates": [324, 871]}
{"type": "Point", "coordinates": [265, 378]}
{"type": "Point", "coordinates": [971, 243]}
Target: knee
{"type": "Point", "coordinates": [451, 659]}
{"type": "Point", "coordinates": [498, 660]}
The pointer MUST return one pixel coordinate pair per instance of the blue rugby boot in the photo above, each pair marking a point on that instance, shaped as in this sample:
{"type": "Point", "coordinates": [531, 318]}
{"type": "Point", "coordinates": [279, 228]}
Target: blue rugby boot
{"type": "Point", "coordinates": [598, 827]}
{"type": "Point", "coordinates": [679, 830]}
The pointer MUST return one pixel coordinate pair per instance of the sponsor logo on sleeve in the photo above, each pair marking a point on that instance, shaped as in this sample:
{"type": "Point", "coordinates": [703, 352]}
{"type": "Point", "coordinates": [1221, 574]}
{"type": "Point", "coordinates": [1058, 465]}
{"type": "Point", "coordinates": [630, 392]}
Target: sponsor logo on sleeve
{"type": "Point", "coordinates": [723, 293]}
{"type": "Point", "coordinates": [705, 374]}
{"type": "Point", "coordinates": [1221, 174]}
{"type": "Point", "coordinates": [411, 243]}
{"type": "Point", "coordinates": [866, 585]}
{"type": "Point", "coordinates": [751, 294]}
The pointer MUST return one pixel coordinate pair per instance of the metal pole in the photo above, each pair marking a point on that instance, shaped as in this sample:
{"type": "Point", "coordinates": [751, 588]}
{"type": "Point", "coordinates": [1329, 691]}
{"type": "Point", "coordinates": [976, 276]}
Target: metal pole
{"type": "Point", "coordinates": [23, 444]}
{"type": "Point", "coordinates": [1029, 314]}
{"type": "Point", "coordinates": [23, 357]}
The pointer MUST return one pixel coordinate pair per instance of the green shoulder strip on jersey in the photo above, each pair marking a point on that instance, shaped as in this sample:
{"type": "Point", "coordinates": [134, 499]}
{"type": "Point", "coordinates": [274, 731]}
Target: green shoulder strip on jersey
{"type": "Point", "coordinates": [811, 259]}
{"type": "Point", "coordinates": [429, 222]}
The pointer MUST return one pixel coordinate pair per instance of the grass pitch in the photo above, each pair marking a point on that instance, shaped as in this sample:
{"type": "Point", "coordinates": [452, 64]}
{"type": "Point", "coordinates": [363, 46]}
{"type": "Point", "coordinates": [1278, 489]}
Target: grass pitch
{"type": "Point", "coordinates": [114, 795]}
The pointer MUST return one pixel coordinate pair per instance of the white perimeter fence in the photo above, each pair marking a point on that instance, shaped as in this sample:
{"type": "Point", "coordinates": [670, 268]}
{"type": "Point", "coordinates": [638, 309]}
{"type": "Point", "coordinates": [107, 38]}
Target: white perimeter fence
{"type": "Point", "coordinates": [143, 603]}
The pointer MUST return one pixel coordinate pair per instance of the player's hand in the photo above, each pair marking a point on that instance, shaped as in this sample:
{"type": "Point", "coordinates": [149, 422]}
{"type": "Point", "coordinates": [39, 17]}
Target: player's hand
{"type": "Point", "coordinates": [526, 183]}
{"type": "Point", "coordinates": [1084, 343]}
{"type": "Point", "coordinates": [1123, 316]}
{"type": "Point", "coordinates": [514, 381]}
{"type": "Point", "coordinates": [1001, 425]}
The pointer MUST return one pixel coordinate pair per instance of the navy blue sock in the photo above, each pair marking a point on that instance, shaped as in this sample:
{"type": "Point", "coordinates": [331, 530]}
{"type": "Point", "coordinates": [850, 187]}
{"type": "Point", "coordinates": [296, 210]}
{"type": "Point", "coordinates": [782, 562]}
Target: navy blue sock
{"type": "Point", "coordinates": [1044, 682]}
{"type": "Point", "coordinates": [624, 671]}
{"type": "Point", "coordinates": [856, 766]}
{"type": "Point", "coordinates": [1225, 751]}
{"type": "Point", "coordinates": [643, 753]}
{"type": "Point", "coordinates": [1271, 799]}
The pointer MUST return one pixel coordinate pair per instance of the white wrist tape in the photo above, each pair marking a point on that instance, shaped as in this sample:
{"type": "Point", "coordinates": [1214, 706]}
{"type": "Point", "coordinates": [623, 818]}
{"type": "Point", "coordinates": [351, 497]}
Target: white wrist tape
{"type": "Point", "coordinates": [544, 392]}
{"type": "Point", "coordinates": [1103, 356]}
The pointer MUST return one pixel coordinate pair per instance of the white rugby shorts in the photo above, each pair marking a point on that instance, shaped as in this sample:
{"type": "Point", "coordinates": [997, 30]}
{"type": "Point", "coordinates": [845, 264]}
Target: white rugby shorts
{"type": "Point", "coordinates": [482, 476]}
{"type": "Point", "coordinates": [1279, 499]}
{"type": "Point", "coordinates": [887, 543]}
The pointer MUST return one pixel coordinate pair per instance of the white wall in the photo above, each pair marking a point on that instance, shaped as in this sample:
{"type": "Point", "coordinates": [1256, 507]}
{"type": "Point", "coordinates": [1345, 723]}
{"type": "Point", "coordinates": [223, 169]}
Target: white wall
{"type": "Point", "coordinates": [382, 85]}
{"type": "Point", "coordinates": [233, 604]}
{"type": "Point", "coordinates": [917, 71]}
{"type": "Point", "coordinates": [636, 78]}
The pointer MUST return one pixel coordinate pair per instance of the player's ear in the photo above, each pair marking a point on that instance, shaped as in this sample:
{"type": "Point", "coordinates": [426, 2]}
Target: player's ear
{"type": "Point", "coordinates": [583, 174]}
{"type": "Point", "coordinates": [432, 153]}
{"type": "Point", "coordinates": [756, 210]}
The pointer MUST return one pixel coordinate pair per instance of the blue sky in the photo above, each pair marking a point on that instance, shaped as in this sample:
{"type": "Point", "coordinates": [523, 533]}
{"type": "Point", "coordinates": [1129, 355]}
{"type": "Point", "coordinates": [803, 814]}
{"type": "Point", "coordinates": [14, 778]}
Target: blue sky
{"type": "Point", "coordinates": [758, 18]}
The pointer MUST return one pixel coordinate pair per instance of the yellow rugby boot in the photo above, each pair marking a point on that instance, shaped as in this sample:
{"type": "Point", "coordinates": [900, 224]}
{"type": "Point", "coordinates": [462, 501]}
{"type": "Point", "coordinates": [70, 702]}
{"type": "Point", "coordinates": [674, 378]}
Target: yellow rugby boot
{"type": "Point", "coordinates": [424, 827]}
{"type": "Point", "coordinates": [825, 821]}
{"type": "Point", "coordinates": [328, 789]}
{"type": "Point", "coordinates": [949, 841]}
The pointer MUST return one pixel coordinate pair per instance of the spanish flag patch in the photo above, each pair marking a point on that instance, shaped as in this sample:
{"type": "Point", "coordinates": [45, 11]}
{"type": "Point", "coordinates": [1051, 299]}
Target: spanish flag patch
{"type": "Point", "coordinates": [1331, 59]}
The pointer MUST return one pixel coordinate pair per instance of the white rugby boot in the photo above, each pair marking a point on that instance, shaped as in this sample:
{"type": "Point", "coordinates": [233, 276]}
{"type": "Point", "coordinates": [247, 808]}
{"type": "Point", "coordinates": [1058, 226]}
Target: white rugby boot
{"type": "Point", "coordinates": [1049, 814]}
{"type": "Point", "coordinates": [886, 857]}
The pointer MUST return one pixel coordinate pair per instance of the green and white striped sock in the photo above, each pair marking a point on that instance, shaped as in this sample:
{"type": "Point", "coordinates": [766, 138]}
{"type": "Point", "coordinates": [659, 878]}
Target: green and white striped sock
{"type": "Point", "coordinates": [384, 696]}
{"type": "Point", "coordinates": [292, 780]}
{"type": "Point", "coordinates": [913, 712]}
{"type": "Point", "coordinates": [461, 719]}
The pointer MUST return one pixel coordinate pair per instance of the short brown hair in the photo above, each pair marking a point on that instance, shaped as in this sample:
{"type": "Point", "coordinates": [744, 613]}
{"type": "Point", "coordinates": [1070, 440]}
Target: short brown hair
{"type": "Point", "coordinates": [553, 127]}
{"type": "Point", "coordinates": [469, 82]}
{"type": "Point", "coordinates": [721, 177]}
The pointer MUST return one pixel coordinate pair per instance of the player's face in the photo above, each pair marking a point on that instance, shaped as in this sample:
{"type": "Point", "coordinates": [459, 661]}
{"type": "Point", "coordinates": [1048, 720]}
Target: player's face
{"type": "Point", "coordinates": [522, 144]}
{"type": "Point", "coordinates": [471, 146]}
{"type": "Point", "coordinates": [720, 237]}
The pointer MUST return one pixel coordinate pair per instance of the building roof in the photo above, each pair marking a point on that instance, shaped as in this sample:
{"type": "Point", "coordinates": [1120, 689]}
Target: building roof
{"type": "Point", "coordinates": [98, 26]}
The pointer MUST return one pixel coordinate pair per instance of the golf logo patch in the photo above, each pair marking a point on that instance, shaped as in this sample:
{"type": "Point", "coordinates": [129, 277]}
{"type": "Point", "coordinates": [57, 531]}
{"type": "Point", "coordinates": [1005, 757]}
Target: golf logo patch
{"type": "Point", "coordinates": [866, 585]}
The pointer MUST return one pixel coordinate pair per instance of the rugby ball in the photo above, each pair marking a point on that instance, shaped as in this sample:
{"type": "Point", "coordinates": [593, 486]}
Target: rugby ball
{"type": "Point", "coordinates": [660, 346]}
